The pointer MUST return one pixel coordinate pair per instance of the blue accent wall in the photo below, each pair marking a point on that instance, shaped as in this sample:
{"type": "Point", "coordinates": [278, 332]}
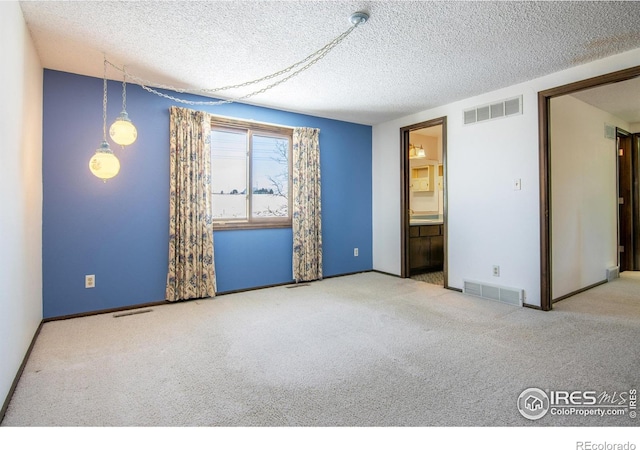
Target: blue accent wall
{"type": "Point", "coordinates": [119, 230]}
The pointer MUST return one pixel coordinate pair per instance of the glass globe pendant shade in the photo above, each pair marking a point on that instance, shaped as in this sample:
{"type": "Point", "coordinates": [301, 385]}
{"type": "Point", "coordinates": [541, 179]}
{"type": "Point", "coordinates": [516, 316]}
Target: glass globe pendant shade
{"type": "Point", "coordinates": [123, 132]}
{"type": "Point", "coordinates": [104, 163]}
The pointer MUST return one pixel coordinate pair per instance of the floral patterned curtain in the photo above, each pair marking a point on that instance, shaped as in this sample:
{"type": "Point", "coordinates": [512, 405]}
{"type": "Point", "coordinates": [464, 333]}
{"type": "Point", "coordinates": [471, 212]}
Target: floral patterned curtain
{"type": "Point", "coordinates": [191, 271]}
{"type": "Point", "coordinates": [306, 222]}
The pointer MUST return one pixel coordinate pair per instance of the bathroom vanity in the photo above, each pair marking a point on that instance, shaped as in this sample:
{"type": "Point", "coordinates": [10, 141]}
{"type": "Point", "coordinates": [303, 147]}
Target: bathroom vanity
{"type": "Point", "coordinates": [426, 244]}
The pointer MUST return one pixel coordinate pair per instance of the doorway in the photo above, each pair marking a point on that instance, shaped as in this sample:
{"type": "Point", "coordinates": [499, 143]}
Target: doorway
{"type": "Point", "coordinates": [544, 106]}
{"type": "Point", "coordinates": [423, 202]}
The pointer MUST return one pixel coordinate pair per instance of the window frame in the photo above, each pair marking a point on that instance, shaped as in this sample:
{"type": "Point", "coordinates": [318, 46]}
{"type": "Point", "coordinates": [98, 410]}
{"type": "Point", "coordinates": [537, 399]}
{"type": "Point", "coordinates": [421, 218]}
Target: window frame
{"type": "Point", "coordinates": [260, 129]}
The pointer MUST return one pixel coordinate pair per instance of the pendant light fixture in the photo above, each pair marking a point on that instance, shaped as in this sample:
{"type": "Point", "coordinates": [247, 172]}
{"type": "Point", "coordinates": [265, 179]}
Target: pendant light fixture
{"type": "Point", "coordinates": [123, 132]}
{"type": "Point", "coordinates": [104, 163]}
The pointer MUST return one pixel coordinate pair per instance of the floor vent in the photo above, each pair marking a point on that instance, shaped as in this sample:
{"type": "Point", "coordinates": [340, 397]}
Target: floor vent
{"type": "Point", "coordinates": [131, 313]}
{"type": "Point", "coordinates": [293, 286]}
{"type": "Point", "coordinates": [613, 273]}
{"type": "Point", "coordinates": [491, 292]}
{"type": "Point", "coordinates": [503, 108]}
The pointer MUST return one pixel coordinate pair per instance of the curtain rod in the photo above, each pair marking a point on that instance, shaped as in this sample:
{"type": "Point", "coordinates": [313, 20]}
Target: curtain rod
{"type": "Point", "coordinates": [257, 122]}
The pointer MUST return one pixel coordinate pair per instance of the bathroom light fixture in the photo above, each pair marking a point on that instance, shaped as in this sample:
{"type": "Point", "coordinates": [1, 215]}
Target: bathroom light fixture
{"type": "Point", "coordinates": [416, 152]}
{"type": "Point", "coordinates": [104, 164]}
{"type": "Point", "coordinates": [123, 131]}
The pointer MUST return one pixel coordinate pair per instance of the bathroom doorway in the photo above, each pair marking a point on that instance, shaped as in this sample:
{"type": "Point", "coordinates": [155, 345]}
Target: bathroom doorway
{"type": "Point", "coordinates": [423, 226]}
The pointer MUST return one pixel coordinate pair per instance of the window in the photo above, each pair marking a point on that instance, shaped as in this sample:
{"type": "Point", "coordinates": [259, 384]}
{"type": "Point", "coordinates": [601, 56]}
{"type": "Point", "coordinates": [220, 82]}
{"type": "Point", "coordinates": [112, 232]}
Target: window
{"type": "Point", "coordinates": [250, 174]}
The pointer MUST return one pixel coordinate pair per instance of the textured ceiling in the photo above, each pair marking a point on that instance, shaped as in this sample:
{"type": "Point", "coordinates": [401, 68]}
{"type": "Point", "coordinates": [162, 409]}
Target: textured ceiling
{"type": "Point", "coordinates": [409, 56]}
{"type": "Point", "coordinates": [620, 99]}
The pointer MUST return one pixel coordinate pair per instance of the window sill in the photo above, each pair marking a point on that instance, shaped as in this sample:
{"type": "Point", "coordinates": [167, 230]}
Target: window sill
{"type": "Point", "coordinates": [249, 225]}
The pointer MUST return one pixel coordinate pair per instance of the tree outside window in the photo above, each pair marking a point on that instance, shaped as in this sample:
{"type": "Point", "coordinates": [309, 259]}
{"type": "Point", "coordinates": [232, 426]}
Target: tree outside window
{"type": "Point", "coordinates": [250, 175]}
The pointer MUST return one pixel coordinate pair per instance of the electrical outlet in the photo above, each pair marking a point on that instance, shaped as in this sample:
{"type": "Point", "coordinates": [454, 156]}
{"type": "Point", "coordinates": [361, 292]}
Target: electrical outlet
{"type": "Point", "coordinates": [496, 271]}
{"type": "Point", "coordinates": [355, 251]}
{"type": "Point", "coordinates": [89, 281]}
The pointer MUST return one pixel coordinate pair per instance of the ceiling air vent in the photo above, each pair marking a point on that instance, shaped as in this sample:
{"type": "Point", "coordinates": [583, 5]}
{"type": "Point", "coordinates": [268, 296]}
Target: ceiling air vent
{"type": "Point", "coordinates": [504, 108]}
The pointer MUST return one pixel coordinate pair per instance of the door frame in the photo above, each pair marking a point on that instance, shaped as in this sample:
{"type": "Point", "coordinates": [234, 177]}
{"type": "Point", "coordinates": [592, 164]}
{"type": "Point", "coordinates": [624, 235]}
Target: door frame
{"type": "Point", "coordinates": [626, 177]}
{"type": "Point", "coordinates": [635, 185]}
{"type": "Point", "coordinates": [404, 194]}
{"type": "Point", "coordinates": [544, 102]}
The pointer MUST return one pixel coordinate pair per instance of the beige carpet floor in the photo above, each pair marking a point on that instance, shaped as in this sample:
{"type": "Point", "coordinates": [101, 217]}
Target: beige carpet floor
{"type": "Point", "coordinates": [360, 350]}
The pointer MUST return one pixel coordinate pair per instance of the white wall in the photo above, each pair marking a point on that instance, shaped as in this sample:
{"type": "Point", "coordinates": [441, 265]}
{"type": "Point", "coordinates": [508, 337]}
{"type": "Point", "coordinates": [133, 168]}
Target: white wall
{"type": "Point", "coordinates": [488, 222]}
{"type": "Point", "coordinates": [583, 196]}
{"type": "Point", "coordinates": [20, 193]}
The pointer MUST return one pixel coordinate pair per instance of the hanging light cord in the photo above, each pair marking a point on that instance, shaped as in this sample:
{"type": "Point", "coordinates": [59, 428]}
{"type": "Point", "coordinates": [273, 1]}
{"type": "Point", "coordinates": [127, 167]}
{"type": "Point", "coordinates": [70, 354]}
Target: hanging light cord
{"type": "Point", "coordinates": [124, 89]}
{"type": "Point", "coordinates": [308, 62]}
{"type": "Point", "coordinates": [104, 102]}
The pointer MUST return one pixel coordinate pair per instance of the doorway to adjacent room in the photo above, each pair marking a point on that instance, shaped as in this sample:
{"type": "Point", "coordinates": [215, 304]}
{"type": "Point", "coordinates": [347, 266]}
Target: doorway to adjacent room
{"type": "Point", "coordinates": [423, 148]}
{"type": "Point", "coordinates": [616, 187]}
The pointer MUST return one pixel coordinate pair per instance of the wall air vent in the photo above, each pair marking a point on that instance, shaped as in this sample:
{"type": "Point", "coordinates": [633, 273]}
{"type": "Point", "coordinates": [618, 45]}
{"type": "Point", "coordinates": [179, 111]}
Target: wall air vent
{"type": "Point", "coordinates": [470, 116]}
{"type": "Point", "coordinates": [609, 131]}
{"type": "Point", "coordinates": [491, 292]}
{"type": "Point", "coordinates": [503, 108]}
{"type": "Point", "coordinates": [483, 113]}
{"type": "Point", "coordinates": [613, 273]}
